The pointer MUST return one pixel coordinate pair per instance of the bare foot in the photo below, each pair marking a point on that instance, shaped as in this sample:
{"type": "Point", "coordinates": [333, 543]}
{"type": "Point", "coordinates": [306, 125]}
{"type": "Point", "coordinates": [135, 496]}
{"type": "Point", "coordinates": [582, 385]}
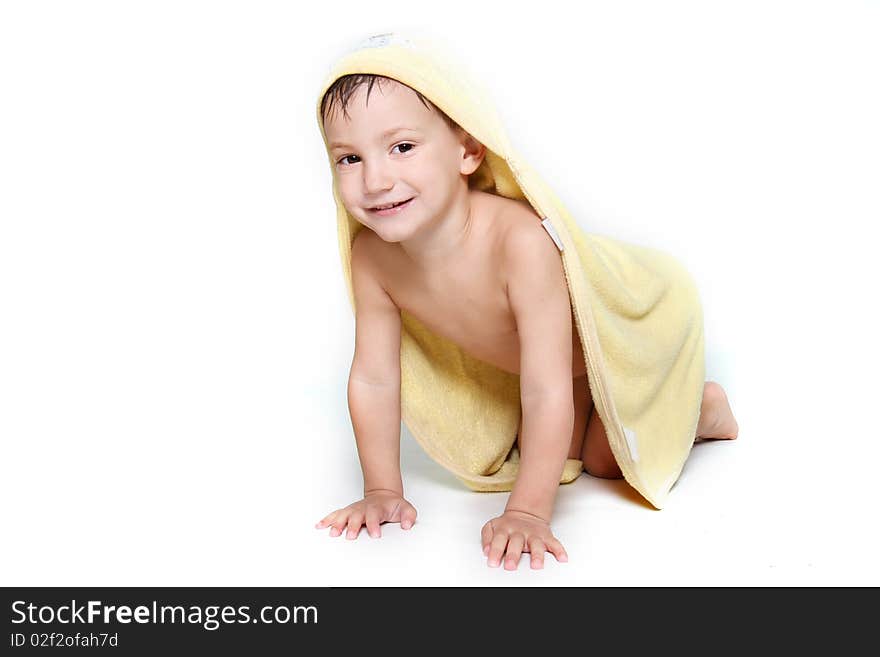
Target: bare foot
{"type": "Point", "coordinates": [716, 418]}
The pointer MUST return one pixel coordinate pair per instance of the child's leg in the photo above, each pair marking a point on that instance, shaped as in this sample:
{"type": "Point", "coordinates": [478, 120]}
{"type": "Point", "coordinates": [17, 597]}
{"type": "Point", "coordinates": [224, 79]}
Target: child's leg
{"type": "Point", "coordinates": [598, 459]}
{"type": "Point", "coordinates": [716, 422]}
{"type": "Point", "coordinates": [716, 419]}
{"type": "Point", "coordinates": [591, 444]}
{"type": "Point", "coordinates": [583, 404]}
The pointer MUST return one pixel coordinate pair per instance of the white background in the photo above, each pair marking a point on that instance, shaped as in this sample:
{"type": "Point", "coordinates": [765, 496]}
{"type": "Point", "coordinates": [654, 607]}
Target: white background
{"type": "Point", "coordinates": [175, 335]}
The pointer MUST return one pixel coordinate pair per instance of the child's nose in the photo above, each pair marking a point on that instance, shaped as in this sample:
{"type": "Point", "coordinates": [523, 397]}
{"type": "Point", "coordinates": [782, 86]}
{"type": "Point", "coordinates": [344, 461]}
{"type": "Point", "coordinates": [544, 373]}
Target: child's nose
{"type": "Point", "coordinates": [377, 178]}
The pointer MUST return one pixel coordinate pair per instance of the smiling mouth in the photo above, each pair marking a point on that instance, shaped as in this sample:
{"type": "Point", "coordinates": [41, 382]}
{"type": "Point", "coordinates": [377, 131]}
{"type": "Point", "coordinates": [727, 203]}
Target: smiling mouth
{"type": "Point", "coordinates": [390, 209]}
{"type": "Point", "coordinates": [388, 205]}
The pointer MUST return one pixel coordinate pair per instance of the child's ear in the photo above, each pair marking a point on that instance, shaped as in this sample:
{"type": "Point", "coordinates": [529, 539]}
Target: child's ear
{"type": "Point", "coordinates": [472, 154]}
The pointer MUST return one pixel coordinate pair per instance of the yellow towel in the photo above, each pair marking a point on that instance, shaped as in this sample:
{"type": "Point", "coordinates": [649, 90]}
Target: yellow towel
{"type": "Point", "coordinates": [637, 311]}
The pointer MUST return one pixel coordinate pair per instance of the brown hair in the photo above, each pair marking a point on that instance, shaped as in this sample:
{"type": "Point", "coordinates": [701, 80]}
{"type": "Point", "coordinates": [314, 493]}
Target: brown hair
{"type": "Point", "coordinates": [344, 87]}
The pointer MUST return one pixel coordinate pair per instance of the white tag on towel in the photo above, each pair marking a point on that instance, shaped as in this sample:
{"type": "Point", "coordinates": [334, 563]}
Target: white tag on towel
{"type": "Point", "coordinates": [630, 436]}
{"type": "Point", "coordinates": [385, 39]}
{"type": "Point", "coordinates": [552, 232]}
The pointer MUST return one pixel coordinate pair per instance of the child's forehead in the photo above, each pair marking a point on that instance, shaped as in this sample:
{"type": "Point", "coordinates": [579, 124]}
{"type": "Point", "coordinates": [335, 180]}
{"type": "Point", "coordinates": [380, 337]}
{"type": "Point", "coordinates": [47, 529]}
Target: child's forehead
{"type": "Point", "coordinates": [381, 113]}
{"type": "Point", "coordinates": [390, 97]}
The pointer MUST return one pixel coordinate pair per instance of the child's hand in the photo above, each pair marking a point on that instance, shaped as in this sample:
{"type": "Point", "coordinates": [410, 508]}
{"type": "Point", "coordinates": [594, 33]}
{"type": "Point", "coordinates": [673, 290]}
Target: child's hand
{"type": "Point", "coordinates": [377, 507]}
{"type": "Point", "coordinates": [519, 532]}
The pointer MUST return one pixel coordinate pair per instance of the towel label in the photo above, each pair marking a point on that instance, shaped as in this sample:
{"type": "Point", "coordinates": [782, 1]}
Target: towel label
{"type": "Point", "coordinates": [381, 40]}
{"type": "Point", "coordinates": [552, 232]}
{"type": "Point", "coordinates": [630, 436]}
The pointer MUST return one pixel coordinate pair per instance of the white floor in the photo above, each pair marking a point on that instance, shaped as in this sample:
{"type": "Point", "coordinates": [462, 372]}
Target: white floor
{"type": "Point", "coordinates": [779, 506]}
{"type": "Point", "coordinates": [743, 512]}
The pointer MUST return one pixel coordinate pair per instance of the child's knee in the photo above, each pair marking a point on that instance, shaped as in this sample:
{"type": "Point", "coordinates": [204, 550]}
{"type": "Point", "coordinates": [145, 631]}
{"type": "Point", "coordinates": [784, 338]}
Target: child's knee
{"type": "Point", "coordinates": [597, 456]}
{"type": "Point", "coordinates": [603, 468]}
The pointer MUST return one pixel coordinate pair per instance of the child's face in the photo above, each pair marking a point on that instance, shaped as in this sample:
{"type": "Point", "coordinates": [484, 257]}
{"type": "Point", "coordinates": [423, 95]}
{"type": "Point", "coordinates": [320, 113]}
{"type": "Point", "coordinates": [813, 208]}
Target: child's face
{"type": "Point", "coordinates": [426, 160]}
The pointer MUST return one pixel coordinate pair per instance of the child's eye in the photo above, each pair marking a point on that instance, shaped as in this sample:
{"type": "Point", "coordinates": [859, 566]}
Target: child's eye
{"type": "Point", "coordinates": [402, 145]}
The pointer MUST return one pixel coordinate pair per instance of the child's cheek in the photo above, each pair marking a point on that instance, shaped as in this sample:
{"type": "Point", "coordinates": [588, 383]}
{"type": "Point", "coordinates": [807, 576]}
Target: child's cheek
{"type": "Point", "coordinates": [346, 191]}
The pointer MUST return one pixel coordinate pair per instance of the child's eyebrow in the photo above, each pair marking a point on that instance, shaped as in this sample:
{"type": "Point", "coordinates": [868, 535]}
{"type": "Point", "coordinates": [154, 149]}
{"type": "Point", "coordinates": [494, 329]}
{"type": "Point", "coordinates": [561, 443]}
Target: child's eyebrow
{"type": "Point", "coordinates": [384, 135]}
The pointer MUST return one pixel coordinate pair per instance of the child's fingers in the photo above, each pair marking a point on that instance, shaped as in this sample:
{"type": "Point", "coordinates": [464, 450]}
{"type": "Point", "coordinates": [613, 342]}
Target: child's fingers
{"type": "Point", "coordinates": [556, 548]}
{"type": "Point", "coordinates": [338, 524]}
{"type": "Point", "coordinates": [408, 517]}
{"type": "Point", "coordinates": [326, 520]}
{"type": "Point", "coordinates": [536, 550]}
{"type": "Point", "coordinates": [486, 536]}
{"type": "Point", "coordinates": [514, 551]}
{"type": "Point", "coordinates": [496, 549]}
{"type": "Point", "coordinates": [354, 525]}
{"type": "Point", "coordinates": [372, 523]}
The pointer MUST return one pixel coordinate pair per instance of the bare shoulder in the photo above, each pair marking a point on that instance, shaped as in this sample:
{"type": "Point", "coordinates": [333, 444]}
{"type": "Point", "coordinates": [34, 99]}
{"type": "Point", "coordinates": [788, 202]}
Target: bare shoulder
{"type": "Point", "coordinates": [367, 269]}
{"type": "Point", "coordinates": [368, 253]}
{"type": "Point", "coordinates": [527, 247]}
{"type": "Point", "coordinates": [363, 247]}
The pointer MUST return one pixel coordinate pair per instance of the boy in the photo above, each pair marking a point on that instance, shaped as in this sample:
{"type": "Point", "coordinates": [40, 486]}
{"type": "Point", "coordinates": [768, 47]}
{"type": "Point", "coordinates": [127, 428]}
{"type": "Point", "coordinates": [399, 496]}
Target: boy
{"type": "Point", "coordinates": [479, 269]}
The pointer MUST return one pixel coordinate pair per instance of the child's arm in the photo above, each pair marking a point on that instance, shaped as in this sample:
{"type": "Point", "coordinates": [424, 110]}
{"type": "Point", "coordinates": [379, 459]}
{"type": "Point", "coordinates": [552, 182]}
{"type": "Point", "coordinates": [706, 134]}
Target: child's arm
{"type": "Point", "coordinates": [538, 295]}
{"type": "Point", "coordinates": [374, 403]}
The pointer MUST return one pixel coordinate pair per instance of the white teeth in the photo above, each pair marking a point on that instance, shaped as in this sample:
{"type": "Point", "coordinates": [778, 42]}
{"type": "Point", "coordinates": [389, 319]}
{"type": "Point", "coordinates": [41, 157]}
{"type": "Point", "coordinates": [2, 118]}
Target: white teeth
{"type": "Point", "coordinates": [390, 205]}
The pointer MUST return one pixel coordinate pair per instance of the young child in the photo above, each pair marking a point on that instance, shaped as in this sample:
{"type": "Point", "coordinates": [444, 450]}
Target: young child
{"type": "Point", "coordinates": [479, 269]}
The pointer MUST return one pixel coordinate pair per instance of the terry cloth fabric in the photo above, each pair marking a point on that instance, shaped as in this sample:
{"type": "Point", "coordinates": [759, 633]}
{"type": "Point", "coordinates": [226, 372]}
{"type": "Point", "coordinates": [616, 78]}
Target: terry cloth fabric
{"type": "Point", "coordinates": [637, 311]}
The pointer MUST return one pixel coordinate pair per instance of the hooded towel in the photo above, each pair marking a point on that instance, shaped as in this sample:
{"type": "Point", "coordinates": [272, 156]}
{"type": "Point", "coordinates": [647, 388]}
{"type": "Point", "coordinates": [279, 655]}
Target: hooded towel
{"type": "Point", "coordinates": [637, 312]}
